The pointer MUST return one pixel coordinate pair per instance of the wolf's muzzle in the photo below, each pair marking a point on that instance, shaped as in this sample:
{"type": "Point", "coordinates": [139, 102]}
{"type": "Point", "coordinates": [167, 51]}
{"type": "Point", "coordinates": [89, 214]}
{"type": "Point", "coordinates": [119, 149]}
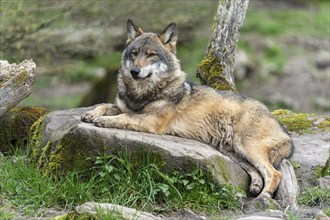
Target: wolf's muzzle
{"type": "Point", "coordinates": [136, 74]}
{"type": "Point", "coordinates": [135, 71]}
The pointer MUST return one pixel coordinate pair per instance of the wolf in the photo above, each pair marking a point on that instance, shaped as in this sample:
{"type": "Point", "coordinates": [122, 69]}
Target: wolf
{"type": "Point", "coordinates": [153, 96]}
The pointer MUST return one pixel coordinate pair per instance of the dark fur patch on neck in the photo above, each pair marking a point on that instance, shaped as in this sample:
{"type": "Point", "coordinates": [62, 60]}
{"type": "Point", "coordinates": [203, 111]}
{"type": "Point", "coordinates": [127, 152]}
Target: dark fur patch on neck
{"type": "Point", "coordinates": [137, 103]}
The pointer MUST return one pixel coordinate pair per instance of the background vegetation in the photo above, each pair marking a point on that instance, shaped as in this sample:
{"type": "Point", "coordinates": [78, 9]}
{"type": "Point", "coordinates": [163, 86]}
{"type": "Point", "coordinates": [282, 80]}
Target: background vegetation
{"type": "Point", "coordinates": [92, 35]}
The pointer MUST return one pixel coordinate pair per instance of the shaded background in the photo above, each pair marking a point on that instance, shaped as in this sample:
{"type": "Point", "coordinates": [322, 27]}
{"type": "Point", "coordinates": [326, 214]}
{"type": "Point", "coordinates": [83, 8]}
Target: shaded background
{"type": "Point", "coordinates": [282, 57]}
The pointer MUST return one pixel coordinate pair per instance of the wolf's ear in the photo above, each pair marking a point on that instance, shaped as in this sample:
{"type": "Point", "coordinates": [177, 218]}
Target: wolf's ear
{"type": "Point", "coordinates": [169, 36]}
{"type": "Point", "coordinates": [133, 31]}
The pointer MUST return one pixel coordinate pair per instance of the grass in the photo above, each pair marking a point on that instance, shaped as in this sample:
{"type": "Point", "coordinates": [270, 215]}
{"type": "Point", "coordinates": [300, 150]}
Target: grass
{"type": "Point", "coordinates": [114, 179]}
{"type": "Point", "coordinates": [326, 211]}
{"type": "Point", "coordinates": [315, 196]}
{"type": "Point", "coordinates": [108, 215]}
{"type": "Point", "coordinates": [298, 21]}
{"type": "Point", "coordinates": [28, 190]}
{"type": "Point", "coordinates": [6, 214]}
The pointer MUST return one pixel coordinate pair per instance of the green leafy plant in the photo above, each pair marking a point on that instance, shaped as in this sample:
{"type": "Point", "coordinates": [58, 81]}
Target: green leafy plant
{"type": "Point", "coordinates": [146, 186]}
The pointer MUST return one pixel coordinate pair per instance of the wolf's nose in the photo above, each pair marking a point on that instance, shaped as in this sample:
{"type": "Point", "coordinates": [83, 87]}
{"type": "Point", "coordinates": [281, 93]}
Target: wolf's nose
{"type": "Point", "coordinates": [135, 71]}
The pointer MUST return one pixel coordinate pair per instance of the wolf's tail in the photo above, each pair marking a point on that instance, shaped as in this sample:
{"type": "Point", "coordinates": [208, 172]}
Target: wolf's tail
{"type": "Point", "coordinates": [281, 151]}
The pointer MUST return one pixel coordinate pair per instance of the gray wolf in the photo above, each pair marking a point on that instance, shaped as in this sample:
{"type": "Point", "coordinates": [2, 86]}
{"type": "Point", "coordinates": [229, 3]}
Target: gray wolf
{"type": "Point", "coordinates": [153, 96]}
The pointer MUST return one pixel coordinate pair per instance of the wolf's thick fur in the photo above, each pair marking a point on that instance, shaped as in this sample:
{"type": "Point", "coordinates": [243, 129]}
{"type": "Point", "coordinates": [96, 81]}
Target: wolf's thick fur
{"type": "Point", "coordinates": [154, 97]}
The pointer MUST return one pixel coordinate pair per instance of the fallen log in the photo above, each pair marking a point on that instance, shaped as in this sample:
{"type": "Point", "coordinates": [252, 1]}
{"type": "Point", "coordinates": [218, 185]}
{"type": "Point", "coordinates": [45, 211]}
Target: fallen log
{"type": "Point", "coordinates": [15, 83]}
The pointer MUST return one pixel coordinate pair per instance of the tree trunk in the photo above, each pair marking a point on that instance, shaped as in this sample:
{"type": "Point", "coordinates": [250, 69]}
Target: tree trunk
{"type": "Point", "coordinates": [15, 83]}
{"type": "Point", "coordinates": [216, 69]}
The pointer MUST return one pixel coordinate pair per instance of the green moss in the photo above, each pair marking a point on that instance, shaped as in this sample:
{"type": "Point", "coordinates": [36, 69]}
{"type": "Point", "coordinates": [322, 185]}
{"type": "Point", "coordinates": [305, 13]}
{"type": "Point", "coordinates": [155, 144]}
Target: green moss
{"type": "Point", "coordinates": [73, 154]}
{"type": "Point", "coordinates": [15, 126]}
{"type": "Point", "coordinates": [220, 174]}
{"type": "Point", "coordinates": [50, 156]}
{"type": "Point", "coordinates": [43, 158]}
{"type": "Point", "coordinates": [243, 185]}
{"type": "Point", "coordinates": [75, 216]}
{"type": "Point", "coordinates": [301, 122]}
{"type": "Point", "coordinates": [295, 165]}
{"type": "Point", "coordinates": [36, 133]}
{"type": "Point", "coordinates": [297, 122]}
{"type": "Point", "coordinates": [55, 159]}
{"type": "Point", "coordinates": [325, 124]}
{"type": "Point", "coordinates": [281, 112]}
{"type": "Point", "coordinates": [61, 217]}
{"type": "Point", "coordinates": [21, 78]}
{"type": "Point", "coordinates": [222, 167]}
{"type": "Point", "coordinates": [210, 72]}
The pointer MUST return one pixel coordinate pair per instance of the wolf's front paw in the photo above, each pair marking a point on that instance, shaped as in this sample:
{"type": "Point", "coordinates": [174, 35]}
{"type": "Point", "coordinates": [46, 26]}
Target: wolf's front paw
{"type": "Point", "coordinates": [88, 117]}
{"type": "Point", "coordinates": [256, 186]}
{"type": "Point", "coordinates": [104, 122]}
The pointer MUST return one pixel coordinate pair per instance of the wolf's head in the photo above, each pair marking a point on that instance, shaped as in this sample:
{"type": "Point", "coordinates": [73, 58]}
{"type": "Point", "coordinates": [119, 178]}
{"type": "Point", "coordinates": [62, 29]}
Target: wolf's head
{"type": "Point", "coordinates": [150, 57]}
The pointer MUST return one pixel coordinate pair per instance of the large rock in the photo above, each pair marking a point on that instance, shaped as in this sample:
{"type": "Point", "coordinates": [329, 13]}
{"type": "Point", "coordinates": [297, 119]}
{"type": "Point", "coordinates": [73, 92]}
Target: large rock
{"type": "Point", "coordinates": [61, 142]}
{"type": "Point", "coordinates": [311, 151]}
{"type": "Point", "coordinates": [311, 146]}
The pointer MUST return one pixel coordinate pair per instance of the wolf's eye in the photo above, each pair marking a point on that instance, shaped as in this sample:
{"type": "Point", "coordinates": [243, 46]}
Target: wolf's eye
{"type": "Point", "coordinates": [151, 53]}
{"type": "Point", "coordinates": [134, 52]}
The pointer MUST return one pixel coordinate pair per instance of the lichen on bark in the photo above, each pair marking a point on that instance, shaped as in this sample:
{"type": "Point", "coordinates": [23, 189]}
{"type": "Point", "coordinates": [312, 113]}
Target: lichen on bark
{"type": "Point", "coordinates": [216, 69]}
{"type": "Point", "coordinates": [210, 72]}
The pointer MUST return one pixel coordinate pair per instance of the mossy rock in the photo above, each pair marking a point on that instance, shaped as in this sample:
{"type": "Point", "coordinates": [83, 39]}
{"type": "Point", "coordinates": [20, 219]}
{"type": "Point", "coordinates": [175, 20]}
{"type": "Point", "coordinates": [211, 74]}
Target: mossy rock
{"type": "Point", "coordinates": [302, 122]}
{"type": "Point", "coordinates": [60, 143]}
{"type": "Point", "coordinates": [15, 126]}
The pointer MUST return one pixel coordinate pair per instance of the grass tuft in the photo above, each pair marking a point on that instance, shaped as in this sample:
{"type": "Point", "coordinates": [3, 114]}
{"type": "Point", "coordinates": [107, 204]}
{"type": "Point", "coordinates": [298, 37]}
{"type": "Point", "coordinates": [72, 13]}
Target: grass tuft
{"type": "Point", "coordinates": [114, 179]}
{"type": "Point", "coordinates": [315, 196]}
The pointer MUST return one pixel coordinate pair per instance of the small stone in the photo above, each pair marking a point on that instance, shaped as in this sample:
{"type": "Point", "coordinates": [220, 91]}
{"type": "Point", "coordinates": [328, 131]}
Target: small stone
{"type": "Point", "coordinates": [188, 214]}
{"type": "Point", "coordinates": [269, 215]}
{"type": "Point", "coordinates": [322, 60]}
{"type": "Point", "coordinates": [324, 182]}
{"type": "Point", "coordinates": [128, 213]}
